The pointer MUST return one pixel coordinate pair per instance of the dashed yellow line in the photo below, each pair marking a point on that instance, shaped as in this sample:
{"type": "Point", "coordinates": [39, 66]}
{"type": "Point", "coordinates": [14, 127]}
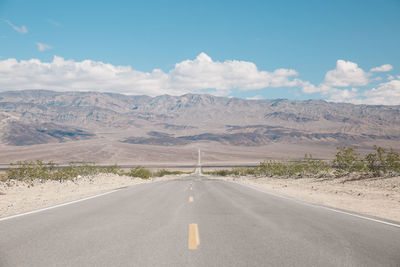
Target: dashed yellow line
{"type": "Point", "coordinates": [194, 240]}
{"type": "Point", "coordinates": [191, 199]}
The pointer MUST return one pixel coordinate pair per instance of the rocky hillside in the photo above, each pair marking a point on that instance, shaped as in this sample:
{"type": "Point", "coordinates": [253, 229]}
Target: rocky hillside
{"type": "Point", "coordinates": [39, 116]}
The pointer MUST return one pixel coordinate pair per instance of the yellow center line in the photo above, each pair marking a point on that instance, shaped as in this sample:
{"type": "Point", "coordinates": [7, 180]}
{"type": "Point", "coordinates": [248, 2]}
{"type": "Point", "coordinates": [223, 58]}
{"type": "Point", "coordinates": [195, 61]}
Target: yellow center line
{"type": "Point", "coordinates": [191, 199]}
{"type": "Point", "coordinates": [191, 188]}
{"type": "Point", "coordinates": [194, 239]}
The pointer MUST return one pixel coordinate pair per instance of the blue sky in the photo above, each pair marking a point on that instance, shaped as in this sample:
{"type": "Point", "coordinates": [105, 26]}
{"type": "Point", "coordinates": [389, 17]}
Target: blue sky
{"type": "Point", "coordinates": [308, 37]}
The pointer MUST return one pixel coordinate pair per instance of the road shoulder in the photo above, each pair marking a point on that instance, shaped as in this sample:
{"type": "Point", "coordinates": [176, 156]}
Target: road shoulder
{"type": "Point", "coordinates": [18, 197]}
{"type": "Point", "coordinates": [374, 197]}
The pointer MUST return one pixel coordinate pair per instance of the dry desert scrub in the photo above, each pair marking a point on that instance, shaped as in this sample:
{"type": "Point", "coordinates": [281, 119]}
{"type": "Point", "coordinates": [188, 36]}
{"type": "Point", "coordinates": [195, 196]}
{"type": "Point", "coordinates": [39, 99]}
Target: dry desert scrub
{"type": "Point", "coordinates": [31, 170]}
{"type": "Point", "coordinates": [347, 163]}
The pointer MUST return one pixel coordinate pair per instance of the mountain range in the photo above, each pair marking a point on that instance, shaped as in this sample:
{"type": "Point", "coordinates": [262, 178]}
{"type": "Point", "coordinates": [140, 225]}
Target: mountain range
{"type": "Point", "coordinates": [170, 128]}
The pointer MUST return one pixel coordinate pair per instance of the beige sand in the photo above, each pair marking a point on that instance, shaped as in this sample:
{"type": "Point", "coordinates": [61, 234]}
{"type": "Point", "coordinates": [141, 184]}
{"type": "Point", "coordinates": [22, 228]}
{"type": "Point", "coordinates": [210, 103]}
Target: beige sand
{"type": "Point", "coordinates": [378, 197]}
{"type": "Point", "coordinates": [18, 197]}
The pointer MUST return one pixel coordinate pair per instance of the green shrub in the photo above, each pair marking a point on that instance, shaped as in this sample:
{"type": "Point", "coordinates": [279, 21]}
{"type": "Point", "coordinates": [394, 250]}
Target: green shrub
{"type": "Point", "coordinates": [372, 163]}
{"type": "Point", "coordinates": [278, 168]}
{"type": "Point", "coordinates": [163, 172]}
{"type": "Point", "coordinates": [220, 172]}
{"type": "Point", "coordinates": [3, 177]}
{"type": "Point", "coordinates": [382, 161]}
{"type": "Point", "coordinates": [115, 169]}
{"type": "Point", "coordinates": [29, 170]}
{"type": "Point", "coordinates": [393, 160]}
{"type": "Point", "coordinates": [139, 172]}
{"type": "Point", "coordinates": [346, 159]}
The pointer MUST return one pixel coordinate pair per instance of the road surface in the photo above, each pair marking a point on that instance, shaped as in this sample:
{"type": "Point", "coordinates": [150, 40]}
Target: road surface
{"type": "Point", "coordinates": [194, 221]}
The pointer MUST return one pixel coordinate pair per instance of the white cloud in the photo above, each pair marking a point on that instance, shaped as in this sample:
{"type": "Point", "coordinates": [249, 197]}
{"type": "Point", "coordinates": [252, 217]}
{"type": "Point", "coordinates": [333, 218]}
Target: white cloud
{"type": "Point", "coordinates": [187, 76]}
{"type": "Point", "coordinates": [43, 47]}
{"type": "Point", "coordinates": [347, 73]}
{"type": "Point", "coordinates": [383, 68]}
{"type": "Point", "coordinates": [344, 95]}
{"type": "Point", "coordinates": [256, 97]}
{"type": "Point", "coordinates": [203, 72]}
{"type": "Point", "coordinates": [385, 94]}
{"type": "Point", "coordinates": [23, 29]}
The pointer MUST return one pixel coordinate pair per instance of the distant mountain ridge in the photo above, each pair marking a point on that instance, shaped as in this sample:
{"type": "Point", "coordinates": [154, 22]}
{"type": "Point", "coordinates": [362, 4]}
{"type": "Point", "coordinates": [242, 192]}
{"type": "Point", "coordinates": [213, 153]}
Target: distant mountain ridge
{"type": "Point", "coordinates": [188, 119]}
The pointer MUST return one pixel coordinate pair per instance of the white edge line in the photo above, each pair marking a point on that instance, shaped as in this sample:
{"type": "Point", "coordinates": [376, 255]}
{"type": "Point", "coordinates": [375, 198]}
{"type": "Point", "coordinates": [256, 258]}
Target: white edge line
{"type": "Point", "coordinates": [317, 205]}
{"type": "Point", "coordinates": [71, 202]}
{"type": "Point", "coordinates": [57, 206]}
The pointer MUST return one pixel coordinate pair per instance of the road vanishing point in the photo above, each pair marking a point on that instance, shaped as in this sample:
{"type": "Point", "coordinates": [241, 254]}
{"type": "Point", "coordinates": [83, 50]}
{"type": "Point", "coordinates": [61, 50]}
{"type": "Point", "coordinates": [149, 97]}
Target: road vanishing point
{"type": "Point", "coordinates": [195, 221]}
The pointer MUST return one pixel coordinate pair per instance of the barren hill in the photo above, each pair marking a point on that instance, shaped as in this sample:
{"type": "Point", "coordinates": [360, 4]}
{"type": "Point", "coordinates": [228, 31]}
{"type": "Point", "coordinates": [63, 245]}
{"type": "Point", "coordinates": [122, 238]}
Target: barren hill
{"type": "Point", "coordinates": [173, 126]}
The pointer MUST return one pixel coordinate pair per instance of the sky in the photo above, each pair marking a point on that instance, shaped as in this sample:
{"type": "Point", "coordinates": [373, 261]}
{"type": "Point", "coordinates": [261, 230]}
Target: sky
{"type": "Point", "coordinates": [341, 51]}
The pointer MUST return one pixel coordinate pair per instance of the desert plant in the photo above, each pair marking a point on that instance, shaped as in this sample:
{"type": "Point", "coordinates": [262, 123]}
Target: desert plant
{"type": "Point", "coordinates": [163, 172]}
{"type": "Point", "coordinates": [139, 172]}
{"type": "Point", "coordinates": [115, 169]}
{"type": "Point", "coordinates": [223, 172]}
{"type": "Point", "coordinates": [3, 177]}
{"type": "Point", "coordinates": [372, 163]}
{"type": "Point", "coordinates": [29, 170]}
{"type": "Point", "coordinates": [381, 157]}
{"type": "Point", "coordinates": [393, 160]}
{"type": "Point", "coordinates": [346, 159]}
{"type": "Point", "coordinates": [382, 161]}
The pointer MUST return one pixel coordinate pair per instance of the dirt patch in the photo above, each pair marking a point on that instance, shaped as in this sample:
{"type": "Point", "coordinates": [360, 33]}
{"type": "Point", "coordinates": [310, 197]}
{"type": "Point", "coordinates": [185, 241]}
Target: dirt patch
{"type": "Point", "coordinates": [378, 197]}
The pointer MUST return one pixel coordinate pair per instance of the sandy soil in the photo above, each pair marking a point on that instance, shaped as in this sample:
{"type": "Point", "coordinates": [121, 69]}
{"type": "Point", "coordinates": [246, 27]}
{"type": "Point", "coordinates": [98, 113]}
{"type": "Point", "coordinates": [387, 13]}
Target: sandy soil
{"type": "Point", "coordinates": [379, 197]}
{"type": "Point", "coordinates": [18, 197]}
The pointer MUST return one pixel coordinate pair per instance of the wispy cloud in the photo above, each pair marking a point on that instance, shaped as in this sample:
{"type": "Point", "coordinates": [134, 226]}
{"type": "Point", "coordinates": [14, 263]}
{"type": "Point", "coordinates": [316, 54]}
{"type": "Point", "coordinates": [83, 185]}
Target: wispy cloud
{"type": "Point", "coordinates": [22, 29]}
{"type": "Point", "coordinates": [383, 68]}
{"type": "Point", "coordinates": [54, 22]}
{"type": "Point", "coordinates": [43, 47]}
{"type": "Point", "coordinates": [256, 97]}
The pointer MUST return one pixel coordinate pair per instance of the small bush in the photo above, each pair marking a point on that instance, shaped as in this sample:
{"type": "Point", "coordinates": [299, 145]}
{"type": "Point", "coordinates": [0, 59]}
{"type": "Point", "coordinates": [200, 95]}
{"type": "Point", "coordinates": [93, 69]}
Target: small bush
{"type": "Point", "coordinates": [220, 172]}
{"type": "Point", "coordinates": [29, 170]}
{"type": "Point", "coordinates": [139, 172]}
{"type": "Point", "coordinates": [3, 177]}
{"type": "Point", "coordinates": [163, 172]}
{"type": "Point", "coordinates": [393, 161]}
{"type": "Point", "coordinates": [346, 159]}
{"type": "Point", "coordinates": [114, 169]}
{"type": "Point", "coordinates": [382, 161]}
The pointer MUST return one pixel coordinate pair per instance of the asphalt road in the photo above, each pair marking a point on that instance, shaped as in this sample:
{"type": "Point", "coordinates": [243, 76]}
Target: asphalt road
{"type": "Point", "coordinates": [194, 221]}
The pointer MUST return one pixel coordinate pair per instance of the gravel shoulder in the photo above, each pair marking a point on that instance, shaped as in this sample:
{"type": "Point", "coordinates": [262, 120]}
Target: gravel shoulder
{"type": "Point", "coordinates": [379, 197]}
{"type": "Point", "coordinates": [18, 197]}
